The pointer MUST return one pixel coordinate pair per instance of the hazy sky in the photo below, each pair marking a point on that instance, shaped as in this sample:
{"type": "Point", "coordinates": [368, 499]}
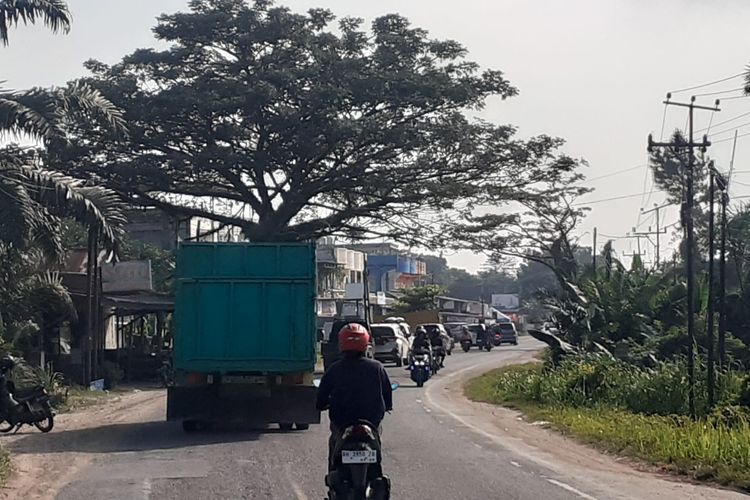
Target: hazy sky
{"type": "Point", "coordinates": [591, 71]}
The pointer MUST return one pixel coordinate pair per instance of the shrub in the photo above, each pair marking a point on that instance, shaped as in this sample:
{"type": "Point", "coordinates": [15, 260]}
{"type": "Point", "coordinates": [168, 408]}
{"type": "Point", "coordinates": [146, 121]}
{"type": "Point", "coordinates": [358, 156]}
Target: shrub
{"type": "Point", "coordinates": [113, 374]}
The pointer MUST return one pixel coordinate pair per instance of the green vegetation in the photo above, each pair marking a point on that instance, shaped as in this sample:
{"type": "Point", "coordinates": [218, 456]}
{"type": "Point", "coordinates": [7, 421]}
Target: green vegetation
{"type": "Point", "coordinates": [633, 412]}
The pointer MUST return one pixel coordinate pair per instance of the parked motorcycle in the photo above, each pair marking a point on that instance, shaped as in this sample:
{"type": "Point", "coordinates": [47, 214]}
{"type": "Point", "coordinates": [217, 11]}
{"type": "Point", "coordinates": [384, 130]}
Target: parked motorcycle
{"type": "Point", "coordinates": [419, 368]}
{"type": "Point", "coordinates": [33, 407]}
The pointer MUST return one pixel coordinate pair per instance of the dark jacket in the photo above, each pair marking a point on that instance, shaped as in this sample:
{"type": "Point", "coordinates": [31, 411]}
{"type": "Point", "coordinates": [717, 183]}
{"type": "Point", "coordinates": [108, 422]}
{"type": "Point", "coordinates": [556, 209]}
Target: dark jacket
{"type": "Point", "coordinates": [355, 389]}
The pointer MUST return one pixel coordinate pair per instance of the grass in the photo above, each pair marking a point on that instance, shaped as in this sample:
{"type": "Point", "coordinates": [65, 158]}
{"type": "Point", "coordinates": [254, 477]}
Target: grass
{"type": "Point", "coordinates": [705, 449]}
{"type": "Point", "coordinates": [79, 398]}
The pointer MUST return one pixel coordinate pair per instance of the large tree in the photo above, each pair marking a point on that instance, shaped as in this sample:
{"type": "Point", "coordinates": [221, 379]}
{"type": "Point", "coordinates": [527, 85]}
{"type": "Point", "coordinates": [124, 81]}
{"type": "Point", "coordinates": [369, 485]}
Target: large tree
{"type": "Point", "coordinates": [290, 128]}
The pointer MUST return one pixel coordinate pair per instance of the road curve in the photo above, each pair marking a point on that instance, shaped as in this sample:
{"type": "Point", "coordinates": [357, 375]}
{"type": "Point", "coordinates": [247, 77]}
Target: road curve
{"type": "Point", "coordinates": [437, 447]}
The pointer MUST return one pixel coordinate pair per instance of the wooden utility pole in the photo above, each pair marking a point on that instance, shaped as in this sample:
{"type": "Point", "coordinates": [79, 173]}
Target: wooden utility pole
{"type": "Point", "coordinates": [710, 383]}
{"type": "Point", "coordinates": [658, 232]}
{"type": "Point", "coordinates": [690, 236]}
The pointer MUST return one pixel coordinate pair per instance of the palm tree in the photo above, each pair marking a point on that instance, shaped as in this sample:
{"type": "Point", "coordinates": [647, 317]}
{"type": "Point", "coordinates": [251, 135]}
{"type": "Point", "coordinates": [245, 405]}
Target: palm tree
{"type": "Point", "coordinates": [54, 14]}
{"type": "Point", "coordinates": [32, 200]}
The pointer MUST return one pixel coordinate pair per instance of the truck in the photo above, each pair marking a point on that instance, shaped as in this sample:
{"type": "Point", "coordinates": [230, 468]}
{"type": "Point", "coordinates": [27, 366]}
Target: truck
{"type": "Point", "coordinates": [245, 335]}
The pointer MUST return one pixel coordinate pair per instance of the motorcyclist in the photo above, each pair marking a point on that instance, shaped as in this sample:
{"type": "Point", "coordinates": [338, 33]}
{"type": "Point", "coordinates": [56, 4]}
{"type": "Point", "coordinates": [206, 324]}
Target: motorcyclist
{"type": "Point", "coordinates": [482, 337]}
{"type": "Point", "coordinates": [355, 387]}
{"type": "Point", "coordinates": [438, 347]}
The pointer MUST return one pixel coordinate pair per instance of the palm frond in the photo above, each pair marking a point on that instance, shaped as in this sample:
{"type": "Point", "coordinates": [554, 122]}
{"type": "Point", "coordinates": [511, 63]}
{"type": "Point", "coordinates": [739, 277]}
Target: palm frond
{"type": "Point", "coordinates": [32, 113]}
{"type": "Point", "coordinates": [54, 14]}
{"type": "Point", "coordinates": [91, 206]}
{"type": "Point", "coordinates": [81, 100]}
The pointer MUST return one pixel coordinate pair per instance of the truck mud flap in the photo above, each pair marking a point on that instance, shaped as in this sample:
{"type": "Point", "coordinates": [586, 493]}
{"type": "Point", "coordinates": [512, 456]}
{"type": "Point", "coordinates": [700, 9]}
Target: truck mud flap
{"type": "Point", "coordinates": [248, 404]}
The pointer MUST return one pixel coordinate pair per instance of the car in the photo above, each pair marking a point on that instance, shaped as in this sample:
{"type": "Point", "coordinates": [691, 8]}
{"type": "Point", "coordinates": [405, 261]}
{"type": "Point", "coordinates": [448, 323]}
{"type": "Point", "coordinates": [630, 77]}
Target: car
{"type": "Point", "coordinates": [390, 343]}
{"type": "Point", "coordinates": [504, 332]}
{"type": "Point", "coordinates": [329, 345]}
{"type": "Point", "coordinates": [448, 341]}
{"type": "Point", "coordinates": [402, 324]}
{"type": "Point", "coordinates": [475, 329]}
{"type": "Point", "coordinates": [455, 330]}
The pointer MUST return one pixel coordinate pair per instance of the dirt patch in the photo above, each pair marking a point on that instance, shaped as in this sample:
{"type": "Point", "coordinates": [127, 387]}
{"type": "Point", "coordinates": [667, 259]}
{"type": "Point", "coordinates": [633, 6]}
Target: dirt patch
{"type": "Point", "coordinates": [40, 473]}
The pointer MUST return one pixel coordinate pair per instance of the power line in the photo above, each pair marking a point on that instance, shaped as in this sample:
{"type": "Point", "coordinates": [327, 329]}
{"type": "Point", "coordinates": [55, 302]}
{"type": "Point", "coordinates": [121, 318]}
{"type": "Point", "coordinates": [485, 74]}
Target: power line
{"type": "Point", "coordinates": [709, 83]}
{"type": "Point", "coordinates": [725, 121]}
{"type": "Point", "coordinates": [616, 198]}
{"type": "Point", "coordinates": [735, 97]}
{"type": "Point", "coordinates": [730, 138]}
{"type": "Point", "coordinates": [611, 174]}
{"type": "Point", "coordinates": [719, 92]}
{"type": "Point", "coordinates": [730, 129]}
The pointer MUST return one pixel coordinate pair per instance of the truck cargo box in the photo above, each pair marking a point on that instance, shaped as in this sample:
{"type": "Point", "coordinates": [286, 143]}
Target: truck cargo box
{"type": "Point", "coordinates": [243, 307]}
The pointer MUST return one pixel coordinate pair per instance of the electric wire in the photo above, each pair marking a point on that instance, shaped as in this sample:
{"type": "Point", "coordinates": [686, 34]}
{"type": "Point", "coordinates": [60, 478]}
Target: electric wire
{"type": "Point", "coordinates": [725, 121]}
{"type": "Point", "coordinates": [612, 174]}
{"type": "Point", "coordinates": [623, 197]}
{"type": "Point", "coordinates": [708, 84]}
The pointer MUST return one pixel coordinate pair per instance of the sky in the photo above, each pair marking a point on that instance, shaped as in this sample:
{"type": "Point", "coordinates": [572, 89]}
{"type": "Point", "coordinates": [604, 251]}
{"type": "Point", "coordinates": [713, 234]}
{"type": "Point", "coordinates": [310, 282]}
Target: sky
{"type": "Point", "coordinates": [594, 72]}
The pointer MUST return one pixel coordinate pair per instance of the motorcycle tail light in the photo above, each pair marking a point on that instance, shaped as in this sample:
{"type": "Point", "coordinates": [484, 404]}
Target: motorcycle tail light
{"type": "Point", "coordinates": [361, 431]}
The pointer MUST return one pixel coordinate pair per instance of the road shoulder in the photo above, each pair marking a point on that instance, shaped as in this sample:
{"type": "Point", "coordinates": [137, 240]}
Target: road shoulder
{"type": "Point", "coordinates": [42, 465]}
{"type": "Point", "coordinates": [601, 474]}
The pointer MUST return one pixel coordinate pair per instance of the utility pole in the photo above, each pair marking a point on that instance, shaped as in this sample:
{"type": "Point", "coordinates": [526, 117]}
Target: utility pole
{"type": "Point", "coordinates": [724, 187]}
{"type": "Point", "coordinates": [658, 232]}
{"type": "Point", "coordinates": [689, 201]}
{"type": "Point", "coordinates": [710, 383]}
{"type": "Point", "coordinates": [593, 254]}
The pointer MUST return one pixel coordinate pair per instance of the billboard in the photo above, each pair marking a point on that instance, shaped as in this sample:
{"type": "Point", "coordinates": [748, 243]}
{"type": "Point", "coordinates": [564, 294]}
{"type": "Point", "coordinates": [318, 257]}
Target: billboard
{"type": "Point", "coordinates": [128, 276]}
{"type": "Point", "coordinates": [505, 301]}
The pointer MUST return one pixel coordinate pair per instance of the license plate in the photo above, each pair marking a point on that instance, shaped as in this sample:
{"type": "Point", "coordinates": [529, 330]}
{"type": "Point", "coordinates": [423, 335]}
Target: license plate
{"type": "Point", "coordinates": [359, 456]}
{"type": "Point", "coordinates": [243, 379]}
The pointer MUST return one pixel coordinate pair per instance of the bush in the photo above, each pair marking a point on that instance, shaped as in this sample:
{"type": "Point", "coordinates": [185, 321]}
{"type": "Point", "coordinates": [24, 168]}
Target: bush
{"type": "Point", "coordinates": [629, 410]}
{"type": "Point", "coordinates": [589, 381]}
{"type": "Point", "coordinates": [113, 374]}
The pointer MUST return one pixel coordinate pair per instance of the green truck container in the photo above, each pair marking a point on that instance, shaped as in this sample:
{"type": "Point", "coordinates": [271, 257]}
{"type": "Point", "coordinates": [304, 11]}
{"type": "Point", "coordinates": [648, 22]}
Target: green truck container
{"type": "Point", "coordinates": [244, 344]}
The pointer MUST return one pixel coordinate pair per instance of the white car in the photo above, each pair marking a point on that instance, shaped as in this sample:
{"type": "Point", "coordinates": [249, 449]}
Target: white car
{"type": "Point", "coordinates": [390, 343]}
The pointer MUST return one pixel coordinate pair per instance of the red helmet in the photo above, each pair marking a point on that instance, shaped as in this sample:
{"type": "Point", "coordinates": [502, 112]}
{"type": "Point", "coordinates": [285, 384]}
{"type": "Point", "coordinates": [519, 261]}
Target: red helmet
{"type": "Point", "coordinates": [353, 337]}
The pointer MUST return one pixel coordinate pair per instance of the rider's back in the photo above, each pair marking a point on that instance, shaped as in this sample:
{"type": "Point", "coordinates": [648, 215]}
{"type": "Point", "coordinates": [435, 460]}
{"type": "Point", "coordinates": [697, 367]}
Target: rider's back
{"type": "Point", "coordinates": [357, 389]}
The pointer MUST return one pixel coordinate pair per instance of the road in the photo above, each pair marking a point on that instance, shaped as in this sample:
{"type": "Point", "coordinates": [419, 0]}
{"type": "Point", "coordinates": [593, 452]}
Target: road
{"type": "Point", "coordinates": [437, 447]}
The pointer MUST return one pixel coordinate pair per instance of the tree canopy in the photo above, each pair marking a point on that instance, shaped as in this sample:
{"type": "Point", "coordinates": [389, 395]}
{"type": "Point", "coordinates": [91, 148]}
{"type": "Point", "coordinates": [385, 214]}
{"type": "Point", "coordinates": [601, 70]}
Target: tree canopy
{"type": "Point", "coordinates": [290, 127]}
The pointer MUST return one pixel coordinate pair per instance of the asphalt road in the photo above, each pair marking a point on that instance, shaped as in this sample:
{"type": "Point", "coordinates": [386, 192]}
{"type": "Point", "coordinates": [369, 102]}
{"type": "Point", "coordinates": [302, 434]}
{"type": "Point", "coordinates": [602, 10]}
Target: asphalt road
{"type": "Point", "coordinates": [429, 454]}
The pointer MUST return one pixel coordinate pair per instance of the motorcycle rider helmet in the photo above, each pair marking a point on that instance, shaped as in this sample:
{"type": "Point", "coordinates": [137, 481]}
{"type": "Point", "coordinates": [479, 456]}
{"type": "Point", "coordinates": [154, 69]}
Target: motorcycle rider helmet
{"type": "Point", "coordinates": [421, 329]}
{"type": "Point", "coordinates": [353, 337]}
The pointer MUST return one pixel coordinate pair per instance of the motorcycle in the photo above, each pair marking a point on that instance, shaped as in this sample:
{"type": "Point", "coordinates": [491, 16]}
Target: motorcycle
{"type": "Point", "coordinates": [438, 358]}
{"type": "Point", "coordinates": [484, 344]}
{"type": "Point", "coordinates": [497, 339]}
{"type": "Point", "coordinates": [420, 368]}
{"type": "Point", "coordinates": [357, 473]}
{"type": "Point", "coordinates": [466, 342]}
{"type": "Point", "coordinates": [33, 408]}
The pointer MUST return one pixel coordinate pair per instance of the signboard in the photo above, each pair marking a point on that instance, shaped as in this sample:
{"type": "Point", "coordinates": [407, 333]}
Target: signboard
{"type": "Point", "coordinates": [128, 276]}
{"type": "Point", "coordinates": [506, 301]}
{"type": "Point", "coordinates": [352, 310]}
{"type": "Point", "coordinates": [355, 291]}
{"type": "Point", "coordinates": [327, 308]}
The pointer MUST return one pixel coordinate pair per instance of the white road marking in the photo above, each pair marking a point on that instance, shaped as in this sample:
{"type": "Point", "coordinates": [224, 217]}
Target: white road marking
{"type": "Point", "coordinates": [570, 489]}
{"type": "Point", "coordinates": [146, 489]}
{"type": "Point", "coordinates": [515, 464]}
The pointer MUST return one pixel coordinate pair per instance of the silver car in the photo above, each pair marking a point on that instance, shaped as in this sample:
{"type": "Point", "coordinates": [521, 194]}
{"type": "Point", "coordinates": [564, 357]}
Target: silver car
{"type": "Point", "coordinates": [390, 343]}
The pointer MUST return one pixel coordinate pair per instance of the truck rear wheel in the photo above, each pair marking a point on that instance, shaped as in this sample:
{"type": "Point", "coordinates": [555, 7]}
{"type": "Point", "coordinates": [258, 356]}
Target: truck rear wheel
{"type": "Point", "coordinates": [301, 427]}
{"type": "Point", "coordinates": [285, 426]}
